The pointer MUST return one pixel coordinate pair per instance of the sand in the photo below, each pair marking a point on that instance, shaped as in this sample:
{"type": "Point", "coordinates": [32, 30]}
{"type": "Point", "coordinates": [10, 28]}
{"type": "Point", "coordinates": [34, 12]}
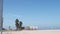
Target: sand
{"type": "Point", "coordinates": [33, 32]}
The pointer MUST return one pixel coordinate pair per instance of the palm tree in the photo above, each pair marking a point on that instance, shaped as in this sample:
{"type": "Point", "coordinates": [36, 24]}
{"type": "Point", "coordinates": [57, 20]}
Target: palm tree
{"type": "Point", "coordinates": [16, 23]}
{"type": "Point", "coordinates": [20, 25]}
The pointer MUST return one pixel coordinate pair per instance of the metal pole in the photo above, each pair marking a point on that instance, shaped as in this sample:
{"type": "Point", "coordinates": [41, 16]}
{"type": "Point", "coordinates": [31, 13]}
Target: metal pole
{"type": "Point", "coordinates": [1, 15]}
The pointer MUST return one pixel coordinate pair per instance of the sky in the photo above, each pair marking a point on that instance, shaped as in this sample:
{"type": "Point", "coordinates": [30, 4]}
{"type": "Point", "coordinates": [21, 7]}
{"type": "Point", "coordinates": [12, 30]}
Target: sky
{"type": "Point", "coordinates": [41, 13]}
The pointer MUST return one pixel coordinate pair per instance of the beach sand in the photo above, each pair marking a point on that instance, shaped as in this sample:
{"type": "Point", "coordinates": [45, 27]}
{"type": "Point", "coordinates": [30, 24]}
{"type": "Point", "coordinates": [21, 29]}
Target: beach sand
{"type": "Point", "coordinates": [33, 32]}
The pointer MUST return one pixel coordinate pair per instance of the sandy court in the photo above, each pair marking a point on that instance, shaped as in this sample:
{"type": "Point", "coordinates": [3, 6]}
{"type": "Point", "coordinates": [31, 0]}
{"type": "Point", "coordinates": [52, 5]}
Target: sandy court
{"type": "Point", "coordinates": [33, 32]}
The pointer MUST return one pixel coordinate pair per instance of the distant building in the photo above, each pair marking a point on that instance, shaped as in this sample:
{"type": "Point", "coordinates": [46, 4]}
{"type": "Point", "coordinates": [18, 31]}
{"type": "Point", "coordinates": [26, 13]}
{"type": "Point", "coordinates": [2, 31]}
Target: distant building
{"type": "Point", "coordinates": [27, 28]}
{"type": "Point", "coordinates": [31, 27]}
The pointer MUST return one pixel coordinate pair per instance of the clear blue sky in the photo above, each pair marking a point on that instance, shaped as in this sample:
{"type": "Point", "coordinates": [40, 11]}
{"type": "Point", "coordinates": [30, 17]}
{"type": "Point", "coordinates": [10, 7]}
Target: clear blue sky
{"type": "Point", "coordinates": [43, 13]}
